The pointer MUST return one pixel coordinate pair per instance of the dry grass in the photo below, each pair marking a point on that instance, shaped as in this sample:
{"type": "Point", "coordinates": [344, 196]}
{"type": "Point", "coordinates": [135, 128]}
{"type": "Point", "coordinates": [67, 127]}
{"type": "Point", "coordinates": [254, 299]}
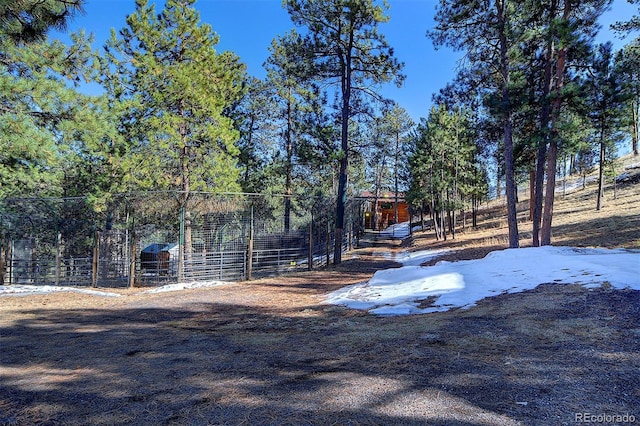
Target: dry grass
{"type": "Point", "coordinates": [576, 222]}
{"type": "Point", "coordinates": [270, 352]}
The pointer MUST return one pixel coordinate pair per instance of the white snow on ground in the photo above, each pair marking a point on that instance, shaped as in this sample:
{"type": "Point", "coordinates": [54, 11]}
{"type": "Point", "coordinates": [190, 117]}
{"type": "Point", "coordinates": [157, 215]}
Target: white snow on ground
{"type": "Point", "coordinates": [451, 284]}
{"type": "Point", "coordinates": [462, 284]}
{"type": "Point", "coordinates": [23, 289]}
{"type": "Point", "coordinates": [185, 286]}
{"type": "Point", "coordinates": [632, 166]}
{"type": "Point", "coordinates": [413, 258]}
{"type": "Point", "coordinates": [399, 230]}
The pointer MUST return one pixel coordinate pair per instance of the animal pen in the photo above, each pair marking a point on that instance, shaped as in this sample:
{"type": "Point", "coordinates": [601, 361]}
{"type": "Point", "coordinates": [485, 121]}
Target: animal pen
{"type": "Point", "coordinates": [152, 239]}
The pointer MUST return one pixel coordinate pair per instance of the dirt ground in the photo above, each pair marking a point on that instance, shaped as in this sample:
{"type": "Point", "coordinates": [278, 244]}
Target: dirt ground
{"type": "Point", "coordinates": [271, 352]}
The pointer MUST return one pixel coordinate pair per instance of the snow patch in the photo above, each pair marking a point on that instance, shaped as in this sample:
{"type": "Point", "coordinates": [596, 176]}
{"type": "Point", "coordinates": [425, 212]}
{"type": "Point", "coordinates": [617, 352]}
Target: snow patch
{"type": "Point", "coordinates": [23, 289]}
{"type": "Point", "coordinates": [462, 284]}
{"type": "Point", "coordinates": [185, 286]}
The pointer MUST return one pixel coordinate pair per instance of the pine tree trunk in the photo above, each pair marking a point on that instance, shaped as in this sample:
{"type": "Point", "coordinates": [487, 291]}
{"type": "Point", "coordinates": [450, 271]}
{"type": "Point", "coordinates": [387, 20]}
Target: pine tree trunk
{"type": "Point", "coordinates": [474, 211]}
{"type": "Point", "coordinates": [545, 117]}
{"type": "Point", "coordinates": [289, 167]}
{"type": "Point", "coordinates": [185, 248]}
{"type": "Point", "coordinates": [374, 219]}
{"type": "Point", "coordinates": [435, 220]}
{"type": "Point", "coordinates": [340, 210]}
{"type": "Point", "coordinates": [547, 217]}
{"type": "Point", "coordinates": [601, 172]}
{"type": "Point", "coordinates": [634, 127]}
{"type": "Point", "coordinates": [345, 88]}
{"type": "Point", "coordinates": [564, 177]}
{"type": "Point", "coordinates": [249, 142]}
{"type": "Point", "coordinates": [463, 213]}
{"type": "Point", "coordinates": [532, 192]}
{"type": "Point", "coordinates": [443, 224]}
{"type": "Point", "coordinates": [512, 219]}
{"type": "Point", "coordinates": [396, 181]}
{"type": "Point", "coordinates": [344, 162]}
{"type": "Point", "coordinates": [455, 180]}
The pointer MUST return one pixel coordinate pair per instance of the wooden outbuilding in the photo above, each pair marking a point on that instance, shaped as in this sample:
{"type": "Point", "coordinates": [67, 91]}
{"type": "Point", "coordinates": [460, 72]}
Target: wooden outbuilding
{"type": "Point", "coordinates": [380, 211]}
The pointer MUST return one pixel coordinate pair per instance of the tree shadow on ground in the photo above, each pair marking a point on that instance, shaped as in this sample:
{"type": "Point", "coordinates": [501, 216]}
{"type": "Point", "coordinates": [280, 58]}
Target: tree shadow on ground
{"type": "Point", "coordinates": [606, 231]}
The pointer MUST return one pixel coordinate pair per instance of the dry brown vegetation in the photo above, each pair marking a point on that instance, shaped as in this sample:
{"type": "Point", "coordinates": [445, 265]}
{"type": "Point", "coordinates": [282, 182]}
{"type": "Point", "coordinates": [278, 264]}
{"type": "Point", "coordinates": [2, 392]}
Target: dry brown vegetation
{"type": "Point", "coordinates": [576, 222]}
{"type": "Point", "coordinates": [271, 352]}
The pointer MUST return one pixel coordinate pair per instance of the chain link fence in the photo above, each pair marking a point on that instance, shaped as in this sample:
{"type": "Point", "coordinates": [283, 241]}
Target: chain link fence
{"type": "Point", "coordinates": [152, 239]}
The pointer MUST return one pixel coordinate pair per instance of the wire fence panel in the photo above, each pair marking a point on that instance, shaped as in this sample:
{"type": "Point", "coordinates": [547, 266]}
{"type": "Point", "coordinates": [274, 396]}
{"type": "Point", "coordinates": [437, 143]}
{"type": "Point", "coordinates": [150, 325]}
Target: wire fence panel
{"type": "Point", "coordinates": [151, 239]}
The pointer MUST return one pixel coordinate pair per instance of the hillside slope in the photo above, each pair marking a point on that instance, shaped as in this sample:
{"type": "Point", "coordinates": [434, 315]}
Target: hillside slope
{"type": "Point", "coordinates": [576, 222]}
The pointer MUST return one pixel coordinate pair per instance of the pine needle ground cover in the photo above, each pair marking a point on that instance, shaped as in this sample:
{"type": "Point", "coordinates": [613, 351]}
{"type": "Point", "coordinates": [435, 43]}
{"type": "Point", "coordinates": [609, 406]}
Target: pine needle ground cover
{"type": "Point", "coordinates": [271, 352]}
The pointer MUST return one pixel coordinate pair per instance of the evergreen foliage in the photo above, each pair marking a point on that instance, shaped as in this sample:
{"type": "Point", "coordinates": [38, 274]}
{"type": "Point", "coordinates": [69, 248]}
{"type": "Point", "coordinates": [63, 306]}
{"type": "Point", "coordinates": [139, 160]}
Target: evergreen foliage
{"type": "Point", "coordinates": [491, 34]}
{"type": "Point", "coordinates": [176, 91]}
{"type": "Point", "coordinates": [253, 118]}
{"type": "Point", "coordinates": [521, 61]}
{"type": "Point", "coordinates": [628, 66]}
{"type": "Point", "coordinates": [294, 96]}
{"type": "Point", "coordinates": [25, 21]}
{"type": "Point", "coordinates": [54, 140]}
{"type": "Point", "coordinates": [344, 48]}
{"type": "Point", "coordinates": [532, 94]}
{"type": "Point", "coordinates": [607, 110]}
{"type": "Point", "coordinates": [444, 168]}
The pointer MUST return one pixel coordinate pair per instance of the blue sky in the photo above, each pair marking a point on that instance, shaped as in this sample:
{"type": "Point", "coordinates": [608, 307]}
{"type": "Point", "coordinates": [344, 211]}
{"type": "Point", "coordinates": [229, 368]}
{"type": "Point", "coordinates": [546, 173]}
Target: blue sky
{"type": "Point", "coordinates": [247, 27]}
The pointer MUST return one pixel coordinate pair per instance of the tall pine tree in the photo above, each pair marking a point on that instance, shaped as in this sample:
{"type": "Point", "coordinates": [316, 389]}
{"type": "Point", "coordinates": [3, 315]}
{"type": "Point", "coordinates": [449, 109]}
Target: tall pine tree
{"type": "Point", "coordinates": [344, 48]}
{"type": "Point", "coordinates": [50, 133]}
{"type": "Point", "coordinates": [491, 34]}
{"type": "Point", "coordinates": [607, 107]}
{"type": "Point", "coordinates": [177, 91]}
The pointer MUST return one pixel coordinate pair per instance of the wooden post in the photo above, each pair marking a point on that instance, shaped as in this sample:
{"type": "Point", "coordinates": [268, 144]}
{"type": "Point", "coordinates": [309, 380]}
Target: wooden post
{"type": "Point", "coordinates": [94, 263]}
{"type": "Point", "coordinates": [10, 256]}
{"type": "Point", "coordinates": [132, 261]}
{"type": "Point", "coordinates": [3, 246]}
{"type": "Point", "coordinates": [58, 244]}
{"type": "Point", "coordinates": [310, 259]}
{"type": "Point", "coordinates": [250, 248]}
{"type": "Point", "coordinates": [181, 247]}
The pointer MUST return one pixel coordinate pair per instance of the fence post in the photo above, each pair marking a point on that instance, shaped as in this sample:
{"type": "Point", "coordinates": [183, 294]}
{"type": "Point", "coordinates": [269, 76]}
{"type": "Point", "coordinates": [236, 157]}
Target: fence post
{"type": "Point", "coordinates": [11, 260]}
{"type": "Point", "coordinates": [221, 264]}
{"type": "Point", "coordinates": [3, 246]}
{"type": "Point", "coordinates": [58, 245]}
{"type": "Point", "coordinates": [310, 260]}
{"type": "Point", "coordinates": [244, 263]}
{"type": "Point", "coordinates": [250, 248]}
{"type": "Point", "coordinates": [181, 247]}
{"type": "Point", "coordinates": [328, 244]}
{"type": "Point", "coordinates": [132, 260]}
{"type": "Point", "coordinates": [94, 262]}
